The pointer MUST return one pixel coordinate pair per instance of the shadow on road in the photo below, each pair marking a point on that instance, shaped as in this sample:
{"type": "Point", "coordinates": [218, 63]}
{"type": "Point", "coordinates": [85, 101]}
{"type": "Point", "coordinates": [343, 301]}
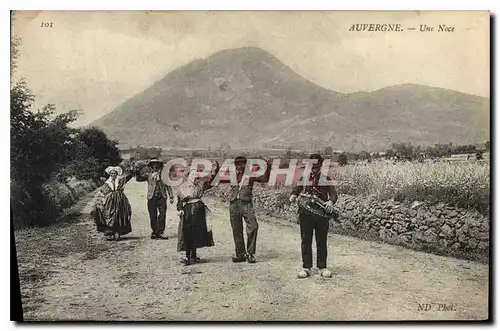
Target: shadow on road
{"type": "Point", "coordinates": [130, 238]}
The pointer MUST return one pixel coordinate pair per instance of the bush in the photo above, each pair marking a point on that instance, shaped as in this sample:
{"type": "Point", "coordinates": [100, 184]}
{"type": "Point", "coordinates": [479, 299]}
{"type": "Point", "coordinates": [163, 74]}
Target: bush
{"type": "Point", "coordinates": [95, 144]}
{"type": "Point", "coordinates": [342, 159]}
{"type": "Point", "coordinates": [88, 168]}
{"type": "Point", "coordinates": [45, 153]}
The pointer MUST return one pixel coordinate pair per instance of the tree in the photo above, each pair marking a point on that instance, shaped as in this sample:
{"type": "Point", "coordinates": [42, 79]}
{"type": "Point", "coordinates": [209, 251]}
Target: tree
{"type": "Point", "coordinates": [14, 53]}
{"type": "Point", "coordinates": [41, 145]}
{"type": "Point", "coordinates": [95, 144]}
{"type": "Point", "coordinates": [352, 156]}
{"type": "Point", "coordinates": [41, 142]}
{"type": "Point", "coordinates": [45, 147]}
{"type": "Point", "coordinates": [364, 155]}
{"type": "Point", "coordinates": [342, 159]}
{"type": "Point", "coordinates": [389, 153]}
{"type": "Point", "coordinates": [404, 151]}
{"type": "Point", "coordinates": [328, 150]}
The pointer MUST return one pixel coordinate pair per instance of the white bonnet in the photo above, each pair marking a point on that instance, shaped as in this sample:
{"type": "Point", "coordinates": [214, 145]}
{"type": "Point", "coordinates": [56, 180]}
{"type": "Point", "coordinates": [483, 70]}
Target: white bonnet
{"type": "Point", "coordinates": [118, 170]}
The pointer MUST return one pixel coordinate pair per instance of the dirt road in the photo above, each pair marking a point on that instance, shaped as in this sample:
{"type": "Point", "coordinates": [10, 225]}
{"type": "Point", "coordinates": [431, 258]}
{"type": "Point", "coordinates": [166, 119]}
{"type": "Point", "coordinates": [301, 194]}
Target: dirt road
{"type": "Point", "coordinates": [142, 279]}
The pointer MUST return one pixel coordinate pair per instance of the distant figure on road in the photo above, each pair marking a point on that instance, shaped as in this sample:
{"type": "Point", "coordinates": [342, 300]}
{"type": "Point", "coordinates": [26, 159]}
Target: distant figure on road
{"type": "Point", "coordinates": [241, 207]}
{"type": "Point", "coordinates": [310, 222]}
{"type": "Point", "coordinates": [158, 192]}
{"type": "Point", "coordinates": [193, 232]}
{"type": "Point", "coordinates": [112, 211]}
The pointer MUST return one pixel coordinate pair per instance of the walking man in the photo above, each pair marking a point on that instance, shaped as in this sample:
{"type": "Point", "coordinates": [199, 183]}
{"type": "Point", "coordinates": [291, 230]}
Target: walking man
{"type": "Point", "coordinates": [241, 208]}
{"type": "Point", "coordinates": [157, 195]}
{"type": "Point", "coordinates": [311, 222]}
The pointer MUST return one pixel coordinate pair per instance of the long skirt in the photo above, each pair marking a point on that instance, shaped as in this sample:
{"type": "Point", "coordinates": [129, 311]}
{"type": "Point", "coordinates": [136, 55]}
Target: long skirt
{"type": "Point", "coordinates": [193, 232]}
{"type": "Point", "coordinates": [115, 214]}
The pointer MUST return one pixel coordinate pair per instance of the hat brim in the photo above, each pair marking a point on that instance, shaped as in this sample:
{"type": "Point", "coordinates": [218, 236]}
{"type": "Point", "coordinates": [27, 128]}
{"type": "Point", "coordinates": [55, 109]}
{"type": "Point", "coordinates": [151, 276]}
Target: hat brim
{"type": "Point", "coordinates": [150, 163]}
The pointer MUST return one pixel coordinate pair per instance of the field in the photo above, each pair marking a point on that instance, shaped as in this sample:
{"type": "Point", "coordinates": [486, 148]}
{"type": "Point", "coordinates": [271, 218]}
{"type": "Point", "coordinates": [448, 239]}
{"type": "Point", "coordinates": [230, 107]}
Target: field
{"type": "Point", "coordinates": [460, 184]}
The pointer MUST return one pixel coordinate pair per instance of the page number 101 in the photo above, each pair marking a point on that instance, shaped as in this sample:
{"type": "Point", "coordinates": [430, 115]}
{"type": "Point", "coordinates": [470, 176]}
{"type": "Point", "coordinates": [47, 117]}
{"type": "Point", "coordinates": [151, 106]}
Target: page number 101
{"type": "Point", "coordinates": [46, 24]}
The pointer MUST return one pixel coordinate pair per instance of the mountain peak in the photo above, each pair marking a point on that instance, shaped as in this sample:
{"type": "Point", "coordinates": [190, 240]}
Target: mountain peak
{"type": "Point", "coordinates": [244, 51]}
{"type": "Point", "coordinates": [246, 97]}
{"type": "Point", "coordinates": [412, 88]}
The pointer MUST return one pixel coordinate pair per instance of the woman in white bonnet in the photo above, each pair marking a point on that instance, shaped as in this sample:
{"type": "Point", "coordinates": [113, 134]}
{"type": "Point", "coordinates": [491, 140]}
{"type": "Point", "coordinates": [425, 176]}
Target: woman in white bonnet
{"type": "Point", "coordinates": [112, 212]}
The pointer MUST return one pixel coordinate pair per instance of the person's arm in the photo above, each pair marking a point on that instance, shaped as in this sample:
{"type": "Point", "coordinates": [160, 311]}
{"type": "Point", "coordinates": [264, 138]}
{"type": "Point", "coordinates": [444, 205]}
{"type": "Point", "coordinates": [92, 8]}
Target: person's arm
{"type": "Point", "coordinates": [179, 203]}
{"type": "Point", "coordinates": [128, 176]}
{"type": "Point", "coordinates": [168, 188]}
{"type": "Point", "coordinates": [332, 192]}
{"type": "Point", "coordinates": [169, 192]}
{"type": "Point", "coordinates": [265, 177]}
{"type": "Point", "coordinates": [296, 191]}
{"type": "Point", "coordinates": [208, 183]}
{"type": "Point", "coordinates": [123, 180]}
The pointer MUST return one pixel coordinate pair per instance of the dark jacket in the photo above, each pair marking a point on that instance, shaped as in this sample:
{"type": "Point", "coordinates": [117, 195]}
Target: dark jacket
{"type": "Point", "coordinates": [245, 194]}
{"type": "Point", "coordinates": [146, 174]}
{"type": "Point", "coordinates": [324, 192]}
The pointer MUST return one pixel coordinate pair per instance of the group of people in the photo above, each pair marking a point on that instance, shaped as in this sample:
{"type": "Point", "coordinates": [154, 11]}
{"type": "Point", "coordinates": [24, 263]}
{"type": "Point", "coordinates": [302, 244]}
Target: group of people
{"type": "Point", "coordinates": [112, 212]}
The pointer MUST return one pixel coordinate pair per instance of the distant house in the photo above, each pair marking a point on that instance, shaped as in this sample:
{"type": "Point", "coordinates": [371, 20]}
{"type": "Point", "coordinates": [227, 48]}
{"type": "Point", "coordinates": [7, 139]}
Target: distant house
{"type": "Point", "coordinates": [460, 157]}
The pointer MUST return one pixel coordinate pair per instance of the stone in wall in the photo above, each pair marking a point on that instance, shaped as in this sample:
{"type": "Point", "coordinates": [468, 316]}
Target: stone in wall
{"type": "Point", "coordinates": [446, 232]}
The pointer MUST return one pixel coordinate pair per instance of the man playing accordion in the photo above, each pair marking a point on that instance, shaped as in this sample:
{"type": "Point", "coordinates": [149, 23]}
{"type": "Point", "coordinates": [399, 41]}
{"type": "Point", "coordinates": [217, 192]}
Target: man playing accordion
{"type": "Point", "coordinates": [315, 208]}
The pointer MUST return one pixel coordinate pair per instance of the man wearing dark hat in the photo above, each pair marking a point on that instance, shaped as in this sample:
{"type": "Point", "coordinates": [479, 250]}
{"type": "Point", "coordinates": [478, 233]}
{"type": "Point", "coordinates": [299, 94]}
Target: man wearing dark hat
{"type": "Point", "coordinates": [241, 207]}
{"type": "Point", "coordinates": [314, 223]}
{"type": "Point", "coordinates": [157, 195]}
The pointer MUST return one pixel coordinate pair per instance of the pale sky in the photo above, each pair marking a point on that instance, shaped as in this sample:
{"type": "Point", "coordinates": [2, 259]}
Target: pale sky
{"type": "Point", "coordinates": [94, 61]}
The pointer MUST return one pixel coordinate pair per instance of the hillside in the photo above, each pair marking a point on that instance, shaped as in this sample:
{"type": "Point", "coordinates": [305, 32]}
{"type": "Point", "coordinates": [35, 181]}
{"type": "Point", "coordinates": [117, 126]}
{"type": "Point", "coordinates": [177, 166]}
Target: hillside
{"type": "Point", "coordinates": [246, 97]}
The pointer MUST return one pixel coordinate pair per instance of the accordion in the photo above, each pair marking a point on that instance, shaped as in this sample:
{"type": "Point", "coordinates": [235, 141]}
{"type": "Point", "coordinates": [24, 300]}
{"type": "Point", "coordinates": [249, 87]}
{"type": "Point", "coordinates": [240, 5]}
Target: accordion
{"type": "Point", "coordinates": [312, 204]}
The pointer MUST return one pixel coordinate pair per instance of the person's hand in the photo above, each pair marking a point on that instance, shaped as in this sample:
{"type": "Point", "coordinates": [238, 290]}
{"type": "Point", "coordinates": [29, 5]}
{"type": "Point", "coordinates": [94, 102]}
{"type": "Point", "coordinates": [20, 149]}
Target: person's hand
{"type": "Point", "coordinates": [329, 206]}
{"type": "Point", "coordinates": [180, 213]}
{"type": "Point", "coordinates": [268, 162]}
{"type": "Point", "coordinates": [293, 198]}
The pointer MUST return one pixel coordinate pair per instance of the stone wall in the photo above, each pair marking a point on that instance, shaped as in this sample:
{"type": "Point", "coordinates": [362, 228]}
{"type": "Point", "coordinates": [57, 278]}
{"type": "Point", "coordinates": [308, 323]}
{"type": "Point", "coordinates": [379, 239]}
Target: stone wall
{"type": "Point", "coordinates": [440, 229]}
